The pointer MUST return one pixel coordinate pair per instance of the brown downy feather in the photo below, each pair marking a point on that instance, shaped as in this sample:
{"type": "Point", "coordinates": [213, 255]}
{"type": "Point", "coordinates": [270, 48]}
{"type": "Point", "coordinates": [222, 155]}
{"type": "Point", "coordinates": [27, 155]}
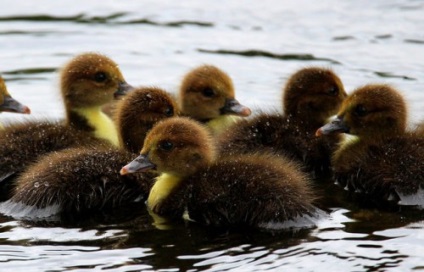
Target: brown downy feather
{"type": "Point", "coordinates": [383, 162]}
{"type": "Point", "coordinates": [311, 96]}
{"type": "Point", "coordinates": [82, 180]}
{"type": "Point", "coordinates": [255, 190]}
{"type": "Point", "coordinates": [207, 95]}
{"type": "Point", "coordinates": [150, 106]}
{"type": "Point", "coordinates": [88, 80]}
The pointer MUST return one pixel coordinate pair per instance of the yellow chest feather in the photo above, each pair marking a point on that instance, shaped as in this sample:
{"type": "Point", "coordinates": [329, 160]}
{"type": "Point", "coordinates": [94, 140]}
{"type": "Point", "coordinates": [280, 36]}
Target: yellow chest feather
{"type": "Point", "coordinates": [348, 140]}
{"type": "Point", "coordinates": [221, 123]}
{"type": "Point", "coordinates": [104, 128]}
{"type": "Point", "coordinates": [163, 186]}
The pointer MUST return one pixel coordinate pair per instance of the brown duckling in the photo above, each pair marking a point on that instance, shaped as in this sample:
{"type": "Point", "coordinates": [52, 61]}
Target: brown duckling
{"type": "Point", "coordinates": [207, 95]}
{"type": "Point", "coordinates": [8, 103]}
{"type": "Point", "coordinates": [83, 180]}
{"type": "Point", "coordinates": [87, 82]}
{"type": "Point", "coordinates": [381, 161]}
{"type": "Point", "coordinates": [149, 105]}
{"type": "Point", "coordinates": [258, 190]}
{"type": "Point", "coordinates": [310, 97]}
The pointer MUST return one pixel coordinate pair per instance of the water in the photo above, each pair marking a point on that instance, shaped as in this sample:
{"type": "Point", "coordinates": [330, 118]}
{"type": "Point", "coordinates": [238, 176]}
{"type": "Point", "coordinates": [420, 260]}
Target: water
{"type": "Point", "coordinates": [259, 43]}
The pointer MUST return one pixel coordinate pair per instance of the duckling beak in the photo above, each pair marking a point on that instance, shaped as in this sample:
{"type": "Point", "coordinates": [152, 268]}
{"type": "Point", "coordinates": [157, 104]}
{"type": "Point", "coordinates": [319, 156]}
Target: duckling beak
{"type": "Point", "coordinates": [139, 164]}
{"type": "Point", "coordinates": [123, 89]}
{"type": "Point", "coordinates": [335, 126]}
{"type": "Point", "coordinates": [232, 106]}
{"type": "Point", "coordinates": [11, 105]}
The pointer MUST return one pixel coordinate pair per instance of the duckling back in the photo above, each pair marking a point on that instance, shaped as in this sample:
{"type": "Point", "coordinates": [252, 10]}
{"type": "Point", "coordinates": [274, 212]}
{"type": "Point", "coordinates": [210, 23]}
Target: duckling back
{"type": "Point", "coordinates": [23, 144]}
{"type": "Point", "coordinates": [258, 190]}
{"type": "Point", "coordinates": [75, 181]}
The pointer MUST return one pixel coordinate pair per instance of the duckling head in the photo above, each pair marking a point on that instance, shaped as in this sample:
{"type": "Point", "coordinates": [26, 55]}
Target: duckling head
{"type": "Point", "coordinates": [91, 80]}
{"type": "Point", "coordinates": [8, 103]}
{"type": "Point", "coordinates": [138, 111]}
{"type": "Point", "coordinates": [177, 146]}
{"type": "Point", "coordinates": [313, 95]}
{"type": "Point", "coordinates": [371, 112]}
{"type": "Point", "coordinates": [207, 93]}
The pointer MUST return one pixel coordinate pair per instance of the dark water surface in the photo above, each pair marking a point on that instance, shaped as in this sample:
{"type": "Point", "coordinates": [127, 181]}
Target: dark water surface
{"type": "Point", "coordinates": [259, 43]}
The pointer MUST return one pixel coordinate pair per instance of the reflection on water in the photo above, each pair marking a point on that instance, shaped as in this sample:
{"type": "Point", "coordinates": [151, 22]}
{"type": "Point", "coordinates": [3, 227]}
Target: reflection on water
{"type": "Point", "coordinates": [259, 45]}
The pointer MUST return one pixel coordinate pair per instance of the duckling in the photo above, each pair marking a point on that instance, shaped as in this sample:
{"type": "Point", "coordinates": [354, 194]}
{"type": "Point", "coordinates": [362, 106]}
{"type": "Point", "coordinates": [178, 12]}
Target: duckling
{"type": "Point", "coordinates": [207, 95]}
{"type": "Point", "coordinates": [149, 105]}
{"type": "Point", "coordinates": [311, 96]}
{"type": "Point", "coordinates": [381, 160]}
{"type": "Point", "coordinates": [82, 180]}
{"type": "Point", "coordinates": [87, 82]}
{"type": "Point", "coordinates": [8, 103]}
{"type": "Point", "coordinates": [259, 190]}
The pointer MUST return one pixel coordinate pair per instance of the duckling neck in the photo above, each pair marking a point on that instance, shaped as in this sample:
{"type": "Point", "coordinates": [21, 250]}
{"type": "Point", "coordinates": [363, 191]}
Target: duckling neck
{"type": "Point", "coordinates": [221, 123]}
{"type": "Point", "coordinates": [93, 119]}
{"type": "Point", "coordinates": [162, 189]}
{"type": "Point", "coordinates": [350, 149]}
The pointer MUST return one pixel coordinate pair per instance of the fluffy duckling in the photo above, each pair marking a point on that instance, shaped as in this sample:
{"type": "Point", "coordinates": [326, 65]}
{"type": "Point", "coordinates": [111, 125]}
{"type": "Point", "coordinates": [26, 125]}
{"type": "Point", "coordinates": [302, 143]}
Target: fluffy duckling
{"type": "Point", "coordinates": [310, 97]}
{"type": "Point", "coordinates": [259, 190]}
{"type": "Point", "coordinates": [207, 95]}
{"type": "Point", "coordinates": [87, 82]}
{"type": "Point", "coordinates": [382, 160]}
{"type": "Point", "coordinates": [149, 105]}
{"type": "Point", "coordinates": [83, 180]}
{"type": "Point", "coordinates": [8, 103]}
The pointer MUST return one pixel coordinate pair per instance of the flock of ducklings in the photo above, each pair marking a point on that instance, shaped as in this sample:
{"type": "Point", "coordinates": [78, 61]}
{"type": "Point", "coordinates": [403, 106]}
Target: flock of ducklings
{"type": "Point", "coordinates": [196, 157]}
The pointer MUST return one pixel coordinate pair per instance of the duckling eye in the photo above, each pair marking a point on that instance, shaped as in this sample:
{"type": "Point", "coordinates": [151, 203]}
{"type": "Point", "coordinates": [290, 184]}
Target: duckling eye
{"type": "Point", "coordinates": [100, 77]}
{"type": "Point", "coordinates": [360, 111]}
{"type": "Point", "coordinates": [166, 145]}
{"type": "Point", "coordinates": [208, 92]}
{"type": "Point", "coordinates": [169, 112]}
{"type": "Point", "coordinates": [333, 91]}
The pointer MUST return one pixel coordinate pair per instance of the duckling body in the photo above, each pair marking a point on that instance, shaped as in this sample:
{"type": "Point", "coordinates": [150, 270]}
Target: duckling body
{"type": "Point", "coordinates": [207, 95]}
{"type": "Point", "coordinates": [382, 162]}
{"type": "Point", "coordinates": [87, 82]}
{"type": "Point", "coordinates": [310, 97]}
{"type": "Point", "coordinates": [71, 182]}
{"type": "Point", "coordinates": [8, 103]}
{"type": "Point", "coordinates": [260, 190]}
{"type": "Point", "coordinates": [86, 179]}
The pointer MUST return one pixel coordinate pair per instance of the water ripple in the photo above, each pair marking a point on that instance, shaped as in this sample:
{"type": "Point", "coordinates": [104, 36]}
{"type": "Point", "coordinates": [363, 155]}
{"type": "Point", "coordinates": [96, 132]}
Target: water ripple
{"type": "Point", "coordinates": [30, 71]}
{"type": "Point", "coordinates": [79, 18]}
{"type": "Point", "coordinates": [260, 53]}
{"type": "Point", "coordinates": [171, 24]}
